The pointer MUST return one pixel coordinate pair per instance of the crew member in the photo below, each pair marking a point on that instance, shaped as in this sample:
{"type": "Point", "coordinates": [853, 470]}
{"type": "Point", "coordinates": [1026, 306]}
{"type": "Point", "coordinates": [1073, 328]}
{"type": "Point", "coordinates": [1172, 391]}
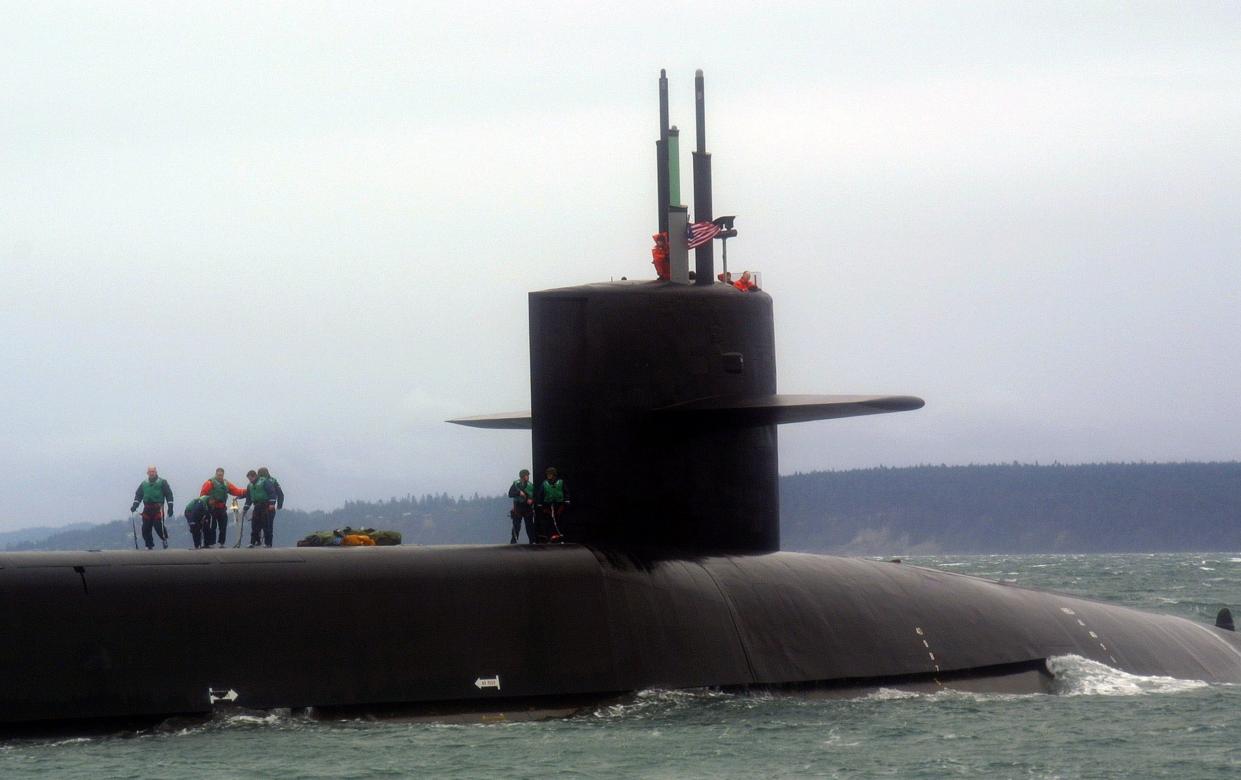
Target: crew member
{"type": "Point", "coordinates": [275, 498]}
{"type": "Point", "coordinates": [264, 493]}
{"type": "Point", "coordinates": [522, 493]}
{"type": "Point", "coordinates": [255, 534]}
{"type": "Point", "coordinates": [745, 283]}
{"type": "Point", "coordinates": [659, 256]}
{"type": "Point", "coordinates": [218, 490]}
{"type": "Point", "coordinates": [198, 516]}
{"type": "Point", "coordinates": [551, 498]}
{"type": "Point", "coordinates": [152, 493]}
{"type": "Point", "coordinates": [277, 501]}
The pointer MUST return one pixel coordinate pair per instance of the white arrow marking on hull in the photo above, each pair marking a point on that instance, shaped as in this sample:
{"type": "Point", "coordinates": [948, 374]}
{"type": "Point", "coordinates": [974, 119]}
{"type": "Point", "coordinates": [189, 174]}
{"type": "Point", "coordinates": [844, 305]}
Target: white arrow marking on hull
{"type": "Point", "coordinates": [488, 682]}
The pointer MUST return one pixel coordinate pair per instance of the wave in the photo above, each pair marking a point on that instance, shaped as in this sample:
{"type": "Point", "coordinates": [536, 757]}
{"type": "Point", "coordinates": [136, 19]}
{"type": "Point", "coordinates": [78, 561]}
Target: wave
{"type": "Point", "coordinates": [227, 720]}
{"type": "Point", "coordinates": [1073, 676]}
{"type": "Point", "coordinates": [894, 694]}
{"type": "Point", "coordinates": [1077, 676]}
{"type": "Point", "coordinates": [658, 702]}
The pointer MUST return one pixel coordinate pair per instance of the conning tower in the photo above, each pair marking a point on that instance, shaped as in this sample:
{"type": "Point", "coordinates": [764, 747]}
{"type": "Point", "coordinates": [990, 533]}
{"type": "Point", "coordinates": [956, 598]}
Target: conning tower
{"type": "Point", "coordinates": [657, 400]}
{"type": "Point", "coordinates": [610, 366]}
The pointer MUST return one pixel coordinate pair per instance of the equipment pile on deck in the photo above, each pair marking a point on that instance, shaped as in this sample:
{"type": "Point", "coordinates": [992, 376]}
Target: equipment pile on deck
{"type": "Point", "coordinates": [351, 537]}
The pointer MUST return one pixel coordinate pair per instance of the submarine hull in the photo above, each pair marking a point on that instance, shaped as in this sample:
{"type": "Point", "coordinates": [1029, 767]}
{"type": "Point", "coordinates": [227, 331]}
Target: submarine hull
{"type": "Point", "coordinates": [109, 635]}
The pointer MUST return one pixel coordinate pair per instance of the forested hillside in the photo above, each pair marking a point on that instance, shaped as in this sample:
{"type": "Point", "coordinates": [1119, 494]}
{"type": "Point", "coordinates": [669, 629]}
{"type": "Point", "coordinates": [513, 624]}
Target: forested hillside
{"type": "Point", "coordinates": [1117, 507]}
{"type": "Point", "coordinates": [1113, 507]}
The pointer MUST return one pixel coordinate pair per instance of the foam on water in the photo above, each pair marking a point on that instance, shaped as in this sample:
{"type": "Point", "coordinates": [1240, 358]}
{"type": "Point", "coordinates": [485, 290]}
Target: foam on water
{"type": "Point", "coordinates": [231, 720]}
{"type": "Point", "coordinates": [1077, 676]}
{"type": "Point", "coordinates": [251, 719]}
{"type": "Point", "coordinates": [69, 741]}
{"type": "Point", "coordinates": [657, 702]}
{"type": "Point", "coordinates": [1074, 676]}
{"type": "Point", "coordinates": [894, 694]}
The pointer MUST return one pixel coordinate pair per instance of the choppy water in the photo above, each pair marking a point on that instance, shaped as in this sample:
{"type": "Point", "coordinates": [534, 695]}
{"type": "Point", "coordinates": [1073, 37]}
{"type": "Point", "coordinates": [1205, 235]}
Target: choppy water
{"type": "Point", "coordinates": [1102, 723]}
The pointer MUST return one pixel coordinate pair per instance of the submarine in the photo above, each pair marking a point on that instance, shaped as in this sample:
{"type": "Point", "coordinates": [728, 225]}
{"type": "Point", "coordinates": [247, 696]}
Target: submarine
{"type": "Point", "coordinates": [657, 401]}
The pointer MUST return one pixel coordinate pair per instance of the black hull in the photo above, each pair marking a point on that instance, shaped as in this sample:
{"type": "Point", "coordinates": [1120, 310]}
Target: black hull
{"type": "Point", "coordinates": [110, 635]}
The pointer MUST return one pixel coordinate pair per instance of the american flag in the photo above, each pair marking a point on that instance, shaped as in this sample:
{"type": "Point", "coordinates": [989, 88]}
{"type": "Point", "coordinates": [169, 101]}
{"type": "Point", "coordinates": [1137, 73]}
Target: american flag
{"type": "Point", "coordinates": [700, 233]}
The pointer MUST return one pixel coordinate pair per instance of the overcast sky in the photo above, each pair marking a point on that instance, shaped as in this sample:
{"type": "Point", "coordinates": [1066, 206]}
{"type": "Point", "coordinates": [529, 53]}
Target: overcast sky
{"type": "Point", "coordinates": [301, 235]}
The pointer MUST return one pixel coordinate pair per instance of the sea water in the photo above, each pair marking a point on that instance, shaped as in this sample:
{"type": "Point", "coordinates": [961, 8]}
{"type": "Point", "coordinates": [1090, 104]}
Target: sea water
{"type": "Point", "coordinates": [1100, 722]}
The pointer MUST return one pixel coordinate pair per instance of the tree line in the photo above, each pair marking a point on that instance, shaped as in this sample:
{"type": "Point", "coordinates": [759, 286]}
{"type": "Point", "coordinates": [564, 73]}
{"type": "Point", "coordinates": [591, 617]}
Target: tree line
{"type": "Point", "coordinates": [1013, 508]}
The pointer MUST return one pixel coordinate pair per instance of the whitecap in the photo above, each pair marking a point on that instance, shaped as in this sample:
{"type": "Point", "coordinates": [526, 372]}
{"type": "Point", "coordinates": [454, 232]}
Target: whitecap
{"type": "Point", "coordinates": [658, 701]}
{"type": "Point", "coordinates": [947, 693]}
{"type": "Point", "coordinates": [70, 741]}
{"type": "Point", "coordinates": [834, 740]}
{"type": "Point", "coordinates": [889, 694]}
{"type": "Point", "coordinates": [1077, 676]}
{"type": "Point", "coordinates": [249, 719]}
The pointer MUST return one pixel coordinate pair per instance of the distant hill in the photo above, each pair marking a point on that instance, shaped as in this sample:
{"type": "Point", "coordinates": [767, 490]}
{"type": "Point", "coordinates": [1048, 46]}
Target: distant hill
{"type": "Point", "coordinates": [1111, 507]}
{"type": "Point", "coordinates": [1114, 507]}
{"type": "Point", "coordinates": [10, 538]}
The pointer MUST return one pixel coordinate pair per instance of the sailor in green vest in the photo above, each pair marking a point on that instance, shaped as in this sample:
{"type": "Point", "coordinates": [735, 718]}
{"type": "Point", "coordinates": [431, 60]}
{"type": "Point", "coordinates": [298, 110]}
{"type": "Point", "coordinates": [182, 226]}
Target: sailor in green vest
{"type": "Point", "coordinates": [256, 519]}
{"type": "Point", "coordinates": [522, 493]}
{"type": "Point", "coordinates": [198, 515]}
{"type": "Point", "coordinates": [277, 491]}
{"type": "Point", "coordinates": [552, 497]}
{"type": "Point", "coordinates": [152, 493]}
{"type": "Point", "coordinates": [265, 493]}
{"type": "Point", "coordinates": [218, 489]}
